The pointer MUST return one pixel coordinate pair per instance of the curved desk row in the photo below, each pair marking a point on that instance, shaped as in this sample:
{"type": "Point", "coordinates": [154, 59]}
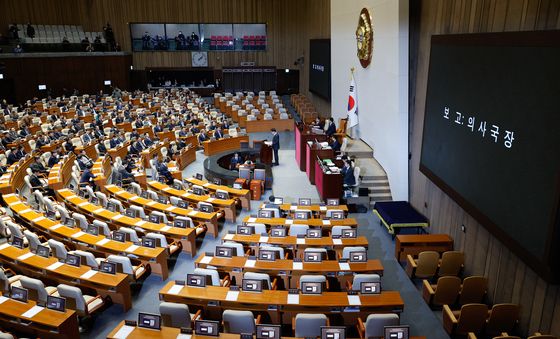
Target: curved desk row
{"type": "Point", "coordinates": [187, 236]}
{"type": "Point", "coordinates": [116, 286]}
{"type": "Point", "coordinates": [155, 257]}
{"type": "Point", "coordinates": [324, 223]}
{"type": "Point", "coordinates": [222, 145]}
{"type": "Point", "coordinates": [244, 195]}
{"type": "Point", "coordinates": [290, 208]}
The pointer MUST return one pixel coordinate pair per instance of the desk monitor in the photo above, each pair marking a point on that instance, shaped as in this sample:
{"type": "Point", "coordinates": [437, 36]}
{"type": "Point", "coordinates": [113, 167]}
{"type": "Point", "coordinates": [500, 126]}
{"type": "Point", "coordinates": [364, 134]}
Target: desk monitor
{"type": "Point", "coordinates": [162, 199]}
{"type": "Point", "coordinates": [149, 242]}
{"type": "Point", "coordinates": [107, 82]}
{"type": "Point", "coordinates": [268, 331]}
{"type": "Point", "coordinates": [301, 215]}
{"type": "Point", "coordinates": [333, 202]}
{"type": "Point", "coordinates": [370, 287]}
{"type": "Point", "coordinates": [224, 251]}
{"type": "Point", "coordinates": [73, 260]}
{"type": "Point", "coordinates": [265, 214]}
{"type": "Point", "coordinates": [253, 285]}
{"type": "Point", "coordinates": [206, 208]}
{"type": "Point", "coordinates": [217, 181]}
{"type": "Point", "coordinates": [19, 294]}
{"type": "Point", "coordinates": [56, 303]}
{"type": "Point", "coordinates": [93, 230]}
{"type": "Point", "coordinates": [278, 231]}
{"type": "Point", "coordinates": [17, 242]}
{"type": "Point", "coordinates": [198, 280]}
{"type": "Point", "coordinates": [119, 236]}
{"type": "Point", "coordinates": [314, 233]}
{"type": "Point", "coordinates": [333, 332]}
{"type": "Point", "coordinates": [111, 206]}
{"type": "Point", "coordinates": [337, 215]}
{"type": "Point", "coordinates": [396, 332]}
{"type": "Point", "coordinates": [145, 195]}
{"type": "Point", "coordinates": [245, 173]}
{"type": "Point", "coordinates": [237, 186]}
{"type": "Point", "coordinates": [179, 223]}
{"type": "Point", "coordinates": [94, 200]}
{"type": "Point", "coordinates": [278, 201]}
{"type": "Point", "coordinates": [222, 195]}
{"type": "Point", "coordinates": [349, 233]}
{"type": "Point", "coordinates": [182, 204]}
{"type": "Point", "coordinates": [245, 229]}
{"type": "Point", "coordinates": [178, 186]}
{"type": "Point", "coordinates": [312, 256]}
{"type": "Point", "coordinates": [43, 251]}
{"type": "Point", "coordinates": [268, 255]}
{"type": "Point", "coordinates": [151, 321]}
{"type": "Point", "coordinates": [129, 212]}
{"type": "Point", "coordinates": [197, 190]}
{"type": "Point", "coordinates": [82, 193]}
{"type": "Point", "coordinates": [358, 256]}
{"type": "Point", "coordinates": [50, 214]}
{"type": "Point", "coordinates": [309, 287]}
{"type": "Point", "coordinates": [156, 219]}
{"type": "Point", "coordinates": [69, 222]}
{"type": "Point", "coordinates": [108, 267]}
{"type": "Point", "coordinates": [206, 327]}
{"type": "Point", "coordinates": [198, 176]}
{"type": "Point", "coordinates": [304, 202]}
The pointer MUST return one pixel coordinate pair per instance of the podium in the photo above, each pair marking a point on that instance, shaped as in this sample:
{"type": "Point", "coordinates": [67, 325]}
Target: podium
{"type": "Point", "coordinates": [265, 154]}
{"type": "Point", "coordinates": [303, 134]}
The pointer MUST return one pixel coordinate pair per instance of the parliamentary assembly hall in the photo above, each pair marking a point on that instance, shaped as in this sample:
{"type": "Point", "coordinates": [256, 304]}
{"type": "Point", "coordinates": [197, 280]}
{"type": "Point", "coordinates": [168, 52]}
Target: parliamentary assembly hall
{"type": "Point", "coordinates": [266, 169]}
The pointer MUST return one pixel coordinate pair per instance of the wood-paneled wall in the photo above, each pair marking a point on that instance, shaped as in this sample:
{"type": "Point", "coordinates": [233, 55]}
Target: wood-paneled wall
{"type": "Point", "coordinates": [290, 25]}
{"type": "Point", "coordinates": [510, 280]}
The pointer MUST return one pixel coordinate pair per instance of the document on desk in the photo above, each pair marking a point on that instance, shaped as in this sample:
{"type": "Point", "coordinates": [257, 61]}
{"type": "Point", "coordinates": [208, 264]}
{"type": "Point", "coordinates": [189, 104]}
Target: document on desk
{"type": "Point", "coordinates": [151, 203]}
{"type": "Point", "coordinates": [297, 266]}
{"type": "Point", "coordinates": [232, 295]}
{"type": "Point", "coordinates": [263, 239]}
{"type": "Point", "coordinates": [206, 260]}
{"type": "Point", "coordinates": [354, 300]}
{"type": "Point", "coordinates": [88, 274]}
{"type": "Point", "coordinates": [326, 222]}
{"type": "Point", "coordinates": [117, 217]}
{"type": "Point", "coordinates": [165, 228]}
{"type": "Point", "coordinates": [78, 234]}
{"type": "Point", "coordinates": [4, 245]}
{"type": "Point", "coordinates": [102, 242]}
{"type": "Point", "coordinates": [228, 236]}
{"type": "Point", "coordinates": [175, 289]}
{"type": "Point", "coordinates": [293, 208]}
{"type": "Point", "coordinates": [344, 266]}
{"type": "Point", "coordinates": [192, 213]}
{"type": "Point", "coordinates": [124, 332]}
{"type": "Point", "coordinates": [30, 313]}
{"type": "Point", "coordinates": [55, 266]}
{"type": "Point", "coordinates": [140, 223]}
{"type": "Point", "coordinates": [132, 248]}
{"type": "Point", "coordinates": [25, 256]}
{"type": "Point", "coordinates": [322, 208]}
{"type": "Point", "coordinates": [3, 299]}
{"type": "Point", "coordinates": [250, 263]}
{"type": "Point", "coordinates": [300, 241]}
{"type": "Point", "coordinates": [54, 227]}
{"type": "Point", "coordinates": [210, 199]}
{"type": "Point", "coordinates": [337, 241]}
{"type": "Point", "coordinates": [289, 221]}
{"type": "Point", "coordinates": [251, 219]}
{"type": "Point", "coordinates": [36, 220]}
{"type": "Point", "coordinates": [184, 336]}
{"type": "Point", "coordinates": [99, 210]}
{"type": "Point", "coordinates": [293, 299]}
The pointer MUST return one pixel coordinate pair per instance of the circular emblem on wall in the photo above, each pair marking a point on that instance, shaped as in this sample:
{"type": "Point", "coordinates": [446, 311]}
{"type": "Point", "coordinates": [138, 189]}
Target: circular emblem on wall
{"type": "Point", "coordinates": [364, 38]}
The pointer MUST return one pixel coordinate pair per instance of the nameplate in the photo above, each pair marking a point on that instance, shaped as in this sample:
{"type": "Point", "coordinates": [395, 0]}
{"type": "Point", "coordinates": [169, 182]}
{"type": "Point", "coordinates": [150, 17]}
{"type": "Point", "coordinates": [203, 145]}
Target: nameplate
{"type": "Point", "coordinates": [124, 332]}
{"type": "Point", "coordinates": [88, 274]}
{"type": "Point", "coordinates": [232, 295]}
{"type": "Point", "coordinates": [55, 266]}
{"type": "Point", "coordinates": [72, 196]}
{"type": "Point", "coordinates": [25, 211]}
{"type": "Point", "coordinates": [33, 311]}
{"type": "Point", "coordinates": [83, 203]}
{"type": "Point", "coordinates": [36, 220]}
{"type": "Point", "coordinates": [326, 222]}
{"type": "Point", "coordinates": [165, 228]}
{"type": "Point", "coordinates": [134, 198]}
{"type": "Point", "coordinates": [151, 203]}
{"type": "Point", "coordinates": [250, 263]}
{"type": "Point", "coordinates": [55, 227]}
{"type": "Point", "coordinates": [293, 299]}
{"type": "Point", "coordinates": [263, 239]}
{"type": "Point", "coordinates": [165, 189]}
{"type": "Point", "coordinates": [140, 222]}
{"type": "Point", "coordinates": [3, 299]}
{"type": "Point", "coordinates": [207, 184]}
{"type": "Point", "coordinates": [228, 236]}
{"type": "Point", "coordinates": [192, 213]}
{"type": "Point", "coordinates": [337, 241]}
{"type": "Point", "coordinates": [289, 221]}
{"type": "Point", "coordinates": [206, 260]}
{"type": "Point", "coordinates": [293, 208]}
{"type": "Point", "coordinates": [5, 245]}
{"type": "Point", "coordinates": [99, 210]}
{"type": "Point", "coordinates": [117, 217]}
{"type": "Point", "coordinates": [354, 300]}
{"type": "Point", "coordinates": [251, 219]}
{"type": "Point", "coordinates": [78, 234]}
{"type": "Point", "coordinates": [184, 336]}
{"type": "Point", "coordinates": [102, 242]}
{"type": "Point", "coordinates": [170, 208]}
{"type": "Point", "coordinates": [322, 208]}
{"type": "Point", "coordinates": [210, 199]}
{"type": "Point", "coordinates": [344, 266]}
{"type": "Point", "coordinates": [300, 241]}
{"type": "Point", "coordinates": [25, 256]}
{"type": "Point", "coordinates": [297, 266]}
{"type": "Point", "coordinates": [175, 289]}
{"type": "Point", "coordinates": [186, 195]}
{"type": "Point", "coordinates": [132, 248]}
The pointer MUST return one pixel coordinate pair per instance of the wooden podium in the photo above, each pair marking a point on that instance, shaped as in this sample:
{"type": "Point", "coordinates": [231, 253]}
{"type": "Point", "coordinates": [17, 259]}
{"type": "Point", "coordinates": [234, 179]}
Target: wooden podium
{"type": "Point", "coordinates": [265, 154]}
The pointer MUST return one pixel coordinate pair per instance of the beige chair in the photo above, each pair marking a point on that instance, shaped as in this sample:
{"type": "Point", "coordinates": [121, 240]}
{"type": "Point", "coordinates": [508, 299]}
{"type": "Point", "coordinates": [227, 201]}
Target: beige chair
{"type": "Point", "coordinates": [471, 318]}
{"type": "Point", "coordinates": [471, 335]}
{"type": "Point", "coordinates": [445, 292]}
{"type": "Point", "coordinates": [424, 267]}
{"type": "Point", "coordinates": [473, 290]}
{"type": "Point", "coordinates": [451, 263]}
{"type": "Point", "coordinates": [538, 335]}
{"type": "Point", "coordinates": [502, 318]}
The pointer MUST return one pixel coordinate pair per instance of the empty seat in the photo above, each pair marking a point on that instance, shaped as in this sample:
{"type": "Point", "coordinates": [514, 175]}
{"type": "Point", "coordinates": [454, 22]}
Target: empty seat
{"type": "Point", "coordinates": [309, 325]}
{"type": "Point", "coordinates": [337, 230]}
{"type": "Point", "coordinates": [33, 240]}
{"type": "Point", "coordinates": [239, 321]}
{"type": "Point", "coordinates": [131, 234]}
{"type": "Point", "coordinates": [238, 248]}
{"type": "Point", "coordinates": [315, 278]}
{"type": "Point", "coordinates": [424, 267]}
{"type": "Point", "coordinates": [298, 229]}
{"type": "Point", "coordinates": [278, 249]}
{"type": "Point", "coordinates": [375, 324]}
{"type": "Point", "coordinates": [176, 315]}
{"type": "Point", "coordinates": [58, 249]}
{"type": "Point", "coordinates": [363, 278]}
{"type": "Point", "coordinates": [451, 263]}
{"type": "Point", "coordinates": [214, 276]}
{"type": "Point", "coordinates": [7, 280]}
{"type": "Point", "coordinates": [81, 220]}
{"type": "Point", "coordinates": [473, 290]}
{"type": "Point", "coordinates": [139, 211]}
{"type": "Point", "coordinates": [36, 289]}
{"type": "Point", "coordinates": [502, 318]}
{"type": "Point", "coordinates": [135, 272]}
{"type": "Point", "coordinates": [445, 292]}
{"type": "Point", "coordinates": [348, 250]}
{"type": "Point", "coordinates": [261, 276]}
{"type": "Point", "coordinates": [471, 318]}
{"type": "Point", "coordinates": [83, 304]}
{"type": "Point", "coordinates": [88, 258]}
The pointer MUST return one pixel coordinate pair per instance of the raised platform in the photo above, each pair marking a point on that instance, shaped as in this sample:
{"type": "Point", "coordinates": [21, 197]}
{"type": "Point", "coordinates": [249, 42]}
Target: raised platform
{"type": "Point", "coordinates": [217, 166]}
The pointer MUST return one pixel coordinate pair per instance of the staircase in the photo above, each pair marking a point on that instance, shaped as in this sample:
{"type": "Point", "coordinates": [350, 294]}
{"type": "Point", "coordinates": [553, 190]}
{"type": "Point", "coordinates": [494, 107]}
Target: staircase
{"type": "Point", "coordinates": [373, 175]}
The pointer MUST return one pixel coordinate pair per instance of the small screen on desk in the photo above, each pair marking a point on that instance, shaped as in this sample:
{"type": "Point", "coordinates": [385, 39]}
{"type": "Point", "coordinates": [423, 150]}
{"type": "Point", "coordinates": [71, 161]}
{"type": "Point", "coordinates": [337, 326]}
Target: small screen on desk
{"type": "Point", "coordinates": [94, 200]}
{"type": "Point", "coordinates": [278, 201]}
{"type": "Point", "coordinates": [17, 242]}
{"type": "Point", "coordinates": [74, 260]}
{"type": "Point", "coordinates": [198, 176]}
{"type": "Point", "coordinates": [301, 215]}
{"type": "Point", "coordinates": [267, 255]}
{"type": "Point", "coordinates": [179, 223]}
{"type": "Point", "coordinates": [369, 287]}
{"type": "Point", "coordinates": [56, 303]}
{"type": "Point", "coordinates": [197, 191]}
{"type": "Point", "coordinates": [149, 242]}
{"type": "Point", "coordinates": [268, 331]}
{"type": "Point", "coordinates": [278, 231]}
{"type": "Point", "coordinates": [119, 236]}
{"type": "Point", "coordinates": [222, 195]}
{"type": "Point", "coordinates": [311, 256]}
{"type": "Point", "coordinates": [349, 233]}
{"type": "Point", "coordinates": [337, 215]}
{"type": "Point", "coordinates": [333, 202]}
{"type": "Point", "coordinates": [206, 327]}
{"type": "Point", "coordinates": [111, 206]}
{"type": "Point", "coordinates": [313, 233]}
{"type": "Point", "coordinates": [206, 208]}
{"type": "Point", "coordinates": [265, 214]}
{"type": "Point", "coordinates": [151, 321]}
{"type": "Point", "coordinates": [108, 267]}
{"type": "Point", "coordinates": [358, 256]}
{"type": "Point", "coordinates": [145, 195]}
{"type": "Point", "coordinates": [224, 251]}
{"type": "Point", "coordinates": [50, 214]}
{"type": "Point", "coordinates": [196, 280]}
{"type": "Point", "coordinates": [19, 294]}
{"type": "Point", "coordinates": [156, 219]}
{"type": "Point", "coordinates": [217, 181]}
{"type": "Point", "coordinates": [129, 212]}
{"type": "Point", "coordinates": [396, 332]}
{"type": "Point", "coordinates": [182, 204]}
{"type": "Point", "coordinates": [332, 332]}
{"type": "Point", "coordinates": [43, 251]}
{"type": "Point", "coordinates": [311, 287]}
{"type": "Point", "coordinates": [69, 222]}
{"type": "Point", "coordinates": [161, 199]}
{"type": "Point", "coordinates": [252, 285]}
{"type": "Point", "coordinates": [92, 229]}
{"type": "Point", "coordinates": [245, 229]}
{"type": "Point", "coordinates": [304, 202]}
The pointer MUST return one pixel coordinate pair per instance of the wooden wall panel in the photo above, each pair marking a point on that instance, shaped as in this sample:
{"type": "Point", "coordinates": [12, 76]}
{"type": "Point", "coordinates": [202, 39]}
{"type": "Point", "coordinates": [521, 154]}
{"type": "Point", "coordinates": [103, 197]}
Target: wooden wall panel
{"type": "Point", "coordinates": [510, 280]}
{"type": "Point", "coordinates": [290, 25]}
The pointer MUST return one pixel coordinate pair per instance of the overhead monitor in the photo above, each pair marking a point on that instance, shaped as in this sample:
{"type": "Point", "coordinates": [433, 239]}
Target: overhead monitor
{"type": "Point", "coordinates": [107, 82]}
{"type": "Point", "coordinates": [42, 87]}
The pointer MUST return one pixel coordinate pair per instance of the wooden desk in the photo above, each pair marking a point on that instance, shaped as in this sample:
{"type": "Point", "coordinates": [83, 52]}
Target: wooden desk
{"type": "Point", "coordinates": [284, 268]}
{"type": "Point", "coordinates": [12, 180]}
{"type": "Point", "coordinates": [228, 206]}
{"type": "Point", "coordinates": [208, 219]}
{"type": "Point", "coordinates": [102, 170]}
{"type": "Point", "coordinates": [119, 151]}
{"type": "Point", "coordinates": [223, 145]}
{"type": "Point", "coordinates": [61, 173]}
{"type": "Point", "coordinates": [413, 244]}
{"type": "Point", "coordinates": [185, 157]}
{"type": "Point", "coordinates": [327, 303]}
{"type": "Point", "coordinates": [45, 324]}
{"type": "Point", "coordinates": [90, 150]}
{"type": "Point", "coordinates": [155, 150]}
{"type": "Point", "coordinates": [186, 236]}
{"type": "Point", "coordinates": [170, 135]}
{"type": "Point", "coordinates": [329, 185]}
{"type": "Point", "coordinates": [303, 135]}
{"type": "Point", "coordinates": [322, 209]}
{"type": "Point", "coordinates": [325, 224]}
{"type": "Point", "coordinates": [76, 238]}
{"type": "Point", "coordinates": [23, 261]}
{"type": "Point", "coordinates": [265, 125]}
{"type": "Point", "coordinates": [312, 152]}
{"type": "Point", "coordinates": [244, 195]}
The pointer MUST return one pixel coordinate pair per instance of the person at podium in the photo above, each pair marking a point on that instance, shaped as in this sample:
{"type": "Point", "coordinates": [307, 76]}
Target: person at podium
{"type": "Point", "coordinates": [275, 145]}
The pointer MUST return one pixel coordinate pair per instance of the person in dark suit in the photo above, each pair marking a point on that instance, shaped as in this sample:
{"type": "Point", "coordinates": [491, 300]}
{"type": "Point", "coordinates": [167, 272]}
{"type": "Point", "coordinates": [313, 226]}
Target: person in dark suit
{"type": "Point", "coordinates": [163, 171]}
{"type": "Point", "coordinates": [114, 142]}
{"type": "Point", "coordinates": [87, 177]}
{"type": "Point", "coordinates": [235, 161]}
{"type": "Point", "coordinates": [202, 136]}
{"type": "Point", "coordinates": [12, 157]}
{"type": "Point", "coordinates": [218, 134]}
{"type": "Point", "coordinates": [37, 167]}
{"type": "Point", "coordinates": [348, 174]}
{"type": "Point", "coordinates": [331, 129]}
{"type": "Point", "coordinates": [53, 160]}
{"type": "Point", "coordinates": [275, 145]}
{"type": "Point", "coordinates": [335, 145]}
{"type": "Point", "coordinates": [101, 147]}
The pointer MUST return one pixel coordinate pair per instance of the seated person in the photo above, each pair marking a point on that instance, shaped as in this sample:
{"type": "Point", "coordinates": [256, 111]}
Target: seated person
{"type": "Point", "coordinates": [87, 178]}
{"type": "Point", "coordinates": [334, 144]}
{"type": "Point", "coordinates": [37, 167]}
{"type": "Point", "coordinates": [101, 147]}
{"type": "Point", "coordinates": [235, 161]}
{"type": "Point", "coordinates": [202, 136]}
{"type": "Point", "coordinates": [54, 159]}
{"type": "Point", "coordinates": [163, 171]}
{"type": "Point", "coordinates": [84, 161]}
{"type": "Point", "coordinates": [331, 129]}
{"type": "Point", "coordinates": [68, 146]}
{"type": "Point", "coordinates": [36, 183]}
{"type": "Point", "coordinates": [218, 134]}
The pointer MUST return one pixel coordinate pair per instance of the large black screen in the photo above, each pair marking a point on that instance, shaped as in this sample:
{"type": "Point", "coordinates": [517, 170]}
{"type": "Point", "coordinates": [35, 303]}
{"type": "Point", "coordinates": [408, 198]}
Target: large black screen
{"type": "Point", "coordinates": [492, 134]}
{"type": "Point", "coordinates": [320, 67]}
